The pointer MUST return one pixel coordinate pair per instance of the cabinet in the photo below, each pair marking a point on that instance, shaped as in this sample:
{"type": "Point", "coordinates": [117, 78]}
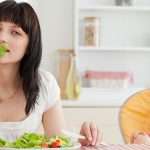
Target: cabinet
{"type": "Point", "coordinates": [105, 117]}
{"type": "Point", "coordinates": [124, 38]}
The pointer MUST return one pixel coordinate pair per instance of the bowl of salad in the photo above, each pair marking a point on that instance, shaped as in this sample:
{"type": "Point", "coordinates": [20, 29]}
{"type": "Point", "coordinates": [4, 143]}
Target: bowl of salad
{"type": "Point", "coordinates": [39, 141]}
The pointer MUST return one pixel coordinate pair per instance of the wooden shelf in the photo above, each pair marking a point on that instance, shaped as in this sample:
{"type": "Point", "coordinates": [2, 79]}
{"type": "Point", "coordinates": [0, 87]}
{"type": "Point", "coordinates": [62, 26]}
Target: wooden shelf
{"type": "Point", "coordinates": [123, 32]}
{"type": "Point", "coordinates": [97, 97]}
{"type": "Point", "coordinates": [115, 8]}
{"type": "Point", "coordinates": [132, 49]}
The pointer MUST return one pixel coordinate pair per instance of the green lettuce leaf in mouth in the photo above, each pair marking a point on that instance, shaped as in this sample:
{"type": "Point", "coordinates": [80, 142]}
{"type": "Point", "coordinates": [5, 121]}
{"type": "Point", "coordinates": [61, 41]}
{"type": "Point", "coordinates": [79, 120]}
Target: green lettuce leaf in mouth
{"type": "Point", "coordinates": [3, 49]}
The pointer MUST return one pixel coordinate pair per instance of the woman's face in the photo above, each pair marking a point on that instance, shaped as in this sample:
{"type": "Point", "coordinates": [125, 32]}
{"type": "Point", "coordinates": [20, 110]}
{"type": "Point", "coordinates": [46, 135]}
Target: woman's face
{"type": "Point", "coordinates": [17, 41]}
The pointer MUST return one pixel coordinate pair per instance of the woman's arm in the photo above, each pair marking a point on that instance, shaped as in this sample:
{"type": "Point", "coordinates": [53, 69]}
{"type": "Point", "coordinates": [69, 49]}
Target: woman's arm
{"type": "Point", "coordinates": [53, 120]}
{"type": "Point", "coordinates": [53, 123]}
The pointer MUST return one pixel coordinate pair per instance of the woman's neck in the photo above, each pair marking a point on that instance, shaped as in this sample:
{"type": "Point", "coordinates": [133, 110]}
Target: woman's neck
{"type": "Point", "coordinates": [9, 75]}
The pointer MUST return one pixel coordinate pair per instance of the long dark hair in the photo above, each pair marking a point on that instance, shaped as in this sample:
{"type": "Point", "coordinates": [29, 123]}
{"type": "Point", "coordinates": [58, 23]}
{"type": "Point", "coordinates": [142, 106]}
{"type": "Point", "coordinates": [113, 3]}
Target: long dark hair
{"type": "Point", "coordinates": [23, 15]}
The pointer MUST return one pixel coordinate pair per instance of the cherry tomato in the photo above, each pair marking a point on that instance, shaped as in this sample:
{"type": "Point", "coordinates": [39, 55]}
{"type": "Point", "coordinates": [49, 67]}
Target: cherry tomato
{"type": "Point", "coordinates": [55, 144]}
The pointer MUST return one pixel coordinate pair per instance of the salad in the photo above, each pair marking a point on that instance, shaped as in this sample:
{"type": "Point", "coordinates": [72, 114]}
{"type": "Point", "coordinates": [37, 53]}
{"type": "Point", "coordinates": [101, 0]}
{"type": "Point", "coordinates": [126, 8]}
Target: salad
{"type": "Point", "coordinates": [3, 49]}
{"type": "Point", "coordinates": [34, 140]}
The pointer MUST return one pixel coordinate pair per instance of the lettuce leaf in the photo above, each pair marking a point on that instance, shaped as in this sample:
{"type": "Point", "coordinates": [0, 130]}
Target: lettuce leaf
{"type": "Point", "coordinates": [3, 49]}
{"type": "Point", "coordinates": [29, 140]}
{"type": "Point", "coordinates": [2, 142]}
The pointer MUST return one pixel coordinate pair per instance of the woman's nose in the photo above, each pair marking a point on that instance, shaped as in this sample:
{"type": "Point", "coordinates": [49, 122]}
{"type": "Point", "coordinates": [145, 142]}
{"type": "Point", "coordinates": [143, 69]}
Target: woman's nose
{"type": "Point", "coordinates": [3, 37]}
{"type": "Point", "coordinates": [2, 41]}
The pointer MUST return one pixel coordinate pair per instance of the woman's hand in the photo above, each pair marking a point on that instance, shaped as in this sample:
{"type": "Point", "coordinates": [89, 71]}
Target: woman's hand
{"type": "Point", "coordinates": [91, 133]}
{"type": "Point", "coordinates": [141, 138]}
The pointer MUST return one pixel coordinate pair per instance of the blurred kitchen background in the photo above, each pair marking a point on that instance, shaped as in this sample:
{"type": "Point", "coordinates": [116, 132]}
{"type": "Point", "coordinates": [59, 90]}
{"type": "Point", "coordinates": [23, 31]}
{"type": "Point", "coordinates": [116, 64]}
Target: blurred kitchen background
{"type": "Point", "coordinates": [99, 51]}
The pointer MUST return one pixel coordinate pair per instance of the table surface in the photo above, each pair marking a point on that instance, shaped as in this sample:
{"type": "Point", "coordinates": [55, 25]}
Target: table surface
{"type": "Point", "coordinates": [100, 147]}
{"type": "Point", "coordinates": [118, 147]}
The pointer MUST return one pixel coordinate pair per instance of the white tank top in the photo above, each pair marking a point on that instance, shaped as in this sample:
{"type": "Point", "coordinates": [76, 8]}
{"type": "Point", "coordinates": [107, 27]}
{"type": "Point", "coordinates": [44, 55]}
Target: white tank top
{"type": "Point", "coordinates": [48, 96]}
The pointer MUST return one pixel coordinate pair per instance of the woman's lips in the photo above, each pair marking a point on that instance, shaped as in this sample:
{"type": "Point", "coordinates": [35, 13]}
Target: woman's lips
{"type": "Point", "coordinates": [7, 50]}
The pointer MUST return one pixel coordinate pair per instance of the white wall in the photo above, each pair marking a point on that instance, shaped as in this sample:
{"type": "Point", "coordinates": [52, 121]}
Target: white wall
{"type": "Point", "coordinates": [57, 29]}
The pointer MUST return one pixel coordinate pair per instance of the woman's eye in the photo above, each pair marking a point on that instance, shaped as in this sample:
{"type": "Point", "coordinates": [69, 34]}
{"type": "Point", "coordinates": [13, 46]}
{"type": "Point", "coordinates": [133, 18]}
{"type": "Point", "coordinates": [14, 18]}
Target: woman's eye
{"type": "Point", "coordinates": [15, 33]}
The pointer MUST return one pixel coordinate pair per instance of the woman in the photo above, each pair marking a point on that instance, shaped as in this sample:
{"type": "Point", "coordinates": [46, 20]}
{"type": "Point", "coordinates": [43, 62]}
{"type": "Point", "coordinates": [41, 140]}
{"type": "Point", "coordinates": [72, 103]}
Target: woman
{"type": "Point", "coordinates": [28, 96]}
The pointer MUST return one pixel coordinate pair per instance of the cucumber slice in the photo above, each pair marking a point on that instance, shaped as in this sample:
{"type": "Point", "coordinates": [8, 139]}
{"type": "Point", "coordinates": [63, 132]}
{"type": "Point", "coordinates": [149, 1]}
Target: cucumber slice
{"type": "Point", "coordinates": [3, 49]}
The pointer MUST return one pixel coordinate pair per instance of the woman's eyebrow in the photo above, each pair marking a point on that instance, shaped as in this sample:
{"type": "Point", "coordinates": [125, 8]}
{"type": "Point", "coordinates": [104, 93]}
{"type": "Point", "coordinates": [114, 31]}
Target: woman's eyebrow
{"type": "Point", "coordinates": [14, 26]}
{"type": "Point", "coordinates": [11, 25]}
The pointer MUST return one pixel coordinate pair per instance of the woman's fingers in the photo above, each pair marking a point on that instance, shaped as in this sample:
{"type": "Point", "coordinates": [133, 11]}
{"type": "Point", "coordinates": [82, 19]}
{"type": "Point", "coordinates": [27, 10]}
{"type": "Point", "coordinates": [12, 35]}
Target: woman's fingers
{"type": "Point", "coordinates": [99, 137]}
{"type": "Point", "coordinates": [86, 131]}
{"type": "Point", "coordinates": [94, 133]}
